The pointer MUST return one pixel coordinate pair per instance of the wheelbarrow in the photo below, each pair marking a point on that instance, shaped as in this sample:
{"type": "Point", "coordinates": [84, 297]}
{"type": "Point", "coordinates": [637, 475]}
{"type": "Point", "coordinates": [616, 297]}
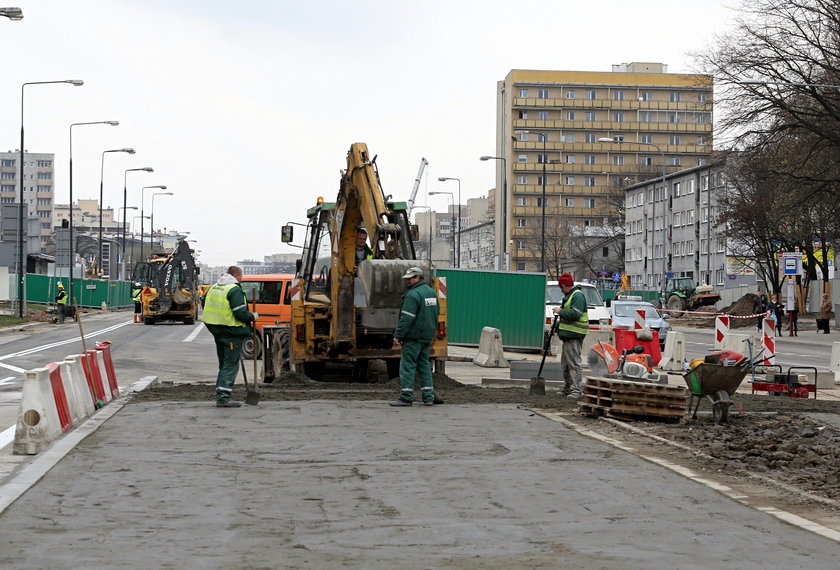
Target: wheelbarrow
{"type": "Point", "coordinates": [715, 383]}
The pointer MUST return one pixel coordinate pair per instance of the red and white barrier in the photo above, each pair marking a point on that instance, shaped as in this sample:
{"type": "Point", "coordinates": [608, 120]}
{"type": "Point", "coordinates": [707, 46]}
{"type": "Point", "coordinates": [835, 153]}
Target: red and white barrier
{"type": "Point", "coordinates": [639, 321]}
{"type": "Point", "coordinates": [104, 348]}
{"type": "Point", "coordinates": [721, 330]}
{"type": "Point", "coordinates": [768, 340]}
{"type": "Point", "coordinates": [44, 412]}
{"type": "Point", "coordinates": [94, 378]}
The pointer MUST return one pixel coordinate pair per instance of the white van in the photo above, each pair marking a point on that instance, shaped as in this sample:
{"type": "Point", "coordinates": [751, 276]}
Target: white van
{"type": "Point", "coordinates": [595, 309]}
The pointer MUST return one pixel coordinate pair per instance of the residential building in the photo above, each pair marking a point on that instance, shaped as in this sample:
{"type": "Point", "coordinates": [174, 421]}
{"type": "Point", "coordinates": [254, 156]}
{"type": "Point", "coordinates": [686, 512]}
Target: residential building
{"type": "Point", "coordinates": [550, 131]}
{"type": "Point", "coordinates": [38, 191]}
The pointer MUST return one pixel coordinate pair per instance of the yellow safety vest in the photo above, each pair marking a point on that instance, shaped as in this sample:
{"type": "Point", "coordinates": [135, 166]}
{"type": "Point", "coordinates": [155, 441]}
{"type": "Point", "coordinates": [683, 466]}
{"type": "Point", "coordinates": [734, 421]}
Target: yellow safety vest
{"type": "Point", "coordinates": [62, 300]}
{"type": "Point", "coordinates": [217, 309]}
{"type": "Point", "coordinates": [580, 326]}
{"type": "Point", "coordinates": [136, 295]}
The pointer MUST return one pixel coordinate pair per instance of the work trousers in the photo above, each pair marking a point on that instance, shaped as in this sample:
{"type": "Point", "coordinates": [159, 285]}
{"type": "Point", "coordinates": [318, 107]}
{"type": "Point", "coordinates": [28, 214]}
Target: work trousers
{"type": "Point", "coordinates": [571, 368]}
{"type": "Point", "coordinates": [62, 312]}
{"type": "Point", "coordinates": [413, 360]}
{"type": "Point", "coordinates": [228, 351]}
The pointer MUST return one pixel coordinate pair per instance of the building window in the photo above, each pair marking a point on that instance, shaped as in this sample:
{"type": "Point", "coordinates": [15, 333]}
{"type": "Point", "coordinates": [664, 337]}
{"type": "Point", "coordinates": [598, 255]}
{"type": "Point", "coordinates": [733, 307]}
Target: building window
{"type": "Point", "coordinates": [542, 159]}
{"type": "Point", "coordinates": [523, 136]}
{"type": "Point", "coordinates": [704, 182]}
{"type": "Point", "coordinates": [701, 162]}
{"type": "Point", "coordinates": [590, 116]}
{"type": "Point", "coordinates": [588, 223]}
{"type": "Point", "coordinates": [645, 117]}
{"type": "Point", "coordinates": [618, 138]}
{"type": "Point", "coordinates": [646, 96]}
{"type": "Point", "coordinates": [523, 92]}
{"type": "Point", "coordinates": [7, 200]}
{"type": "Point", "coordinates": [520, 244]}
{"type": "Point", "coordinates": [522, 179]}
{"type": "Point", "coordinates": [605, 252]}
{"type": "Point", "coordinates": [8, 162]}
{"type": "Point", "coordinates": [570, 159]}
{"type": "Point", "coordinates": [542, 115]}
{"type": "Point", "coordinates": [570, 181]}
{"type": "Point", "coordinates": [7, 188]}
{"type": "Point", "coordinates": [570, 137]}
{"type": "Point", "coordinates": [523, 114]}
{"type": "Point", "coordinates": [570, 94]}
{"type": "Point", "coordinates": [589, 181]}
{"type": "Point", "coordinates": [541, 202]}
{"type": "Point", "coordinates": [570, 202]}
{"type": "Point", "coordinates": [618, 117]}
{"type": "Point", "coordinates": [520, 266]}
{"type": "Point", "coordinates": [590, 137]}
{"type": "Point", "coordinates": [674, 97]}
{"type": "Point", "coordinates": [646, 161]}
{"type": "Point", "coordinates": [674, 161]}
{"type": "Point", "coordinates": [45, 176]}
{"type": "Point", "coordinates": [618, 95]}
{"type": "Point", "coordinates": [521, 201]}
{"type": "Point", "coordinates": [589, 159]}
{"type": "Point", "coordinates": [521, 223]}
{"type": "Point", "coordinates": [542, 93]}
{"type": "Point", "coordinates": [540, 180]}
{"type": "Point", "coordinates": [618, 160]}
{"type": "Point", "coordinates": [677, 189]}
{"type": "Point", "coordinates": [700, 117]}
{"type": "Point", "coordinates": [590, 94]}
{"type": "Point", "coordinates": [673, 118]}
{"type": "Point", "coordinates": [674, 139]}
{"type": "Point", "coordinates": [522, 158]}
{"type": "Point", "coordinates": [44, 201]}
{"type": "Point", "coordinates": [44, 188]}
{"type": "Point", "coordinates": [689, 186]}
{"type": "Point", "coordinates": [44, 163]}
{"type": "Point", "coordinates": [570, 115]}
{"type": "Point", "coordinates": [589, 202]}
{"type": "Point", "coordinates": [646, 139]}
{"type": "Point", "coordinates": [44, 214]}
{"type": "Point", "coordinates": [7, 175]}
{"type": "Point", "coordinates": [45, 225]}
{"type": "Point", "coordinates": [701, 97]}
{"type": "Point", "coordinates": [542, 137]}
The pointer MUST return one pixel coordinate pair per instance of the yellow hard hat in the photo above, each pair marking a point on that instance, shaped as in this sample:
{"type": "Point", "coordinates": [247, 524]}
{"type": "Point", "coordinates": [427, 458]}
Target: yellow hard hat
{"type": "Point", "coordinates": [61, 286]}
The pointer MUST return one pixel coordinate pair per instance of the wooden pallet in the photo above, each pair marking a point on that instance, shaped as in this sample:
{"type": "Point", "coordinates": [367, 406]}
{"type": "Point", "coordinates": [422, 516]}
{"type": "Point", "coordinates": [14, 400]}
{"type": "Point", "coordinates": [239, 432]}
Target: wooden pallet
{"type": "Point", "coordinates": [628, 400]}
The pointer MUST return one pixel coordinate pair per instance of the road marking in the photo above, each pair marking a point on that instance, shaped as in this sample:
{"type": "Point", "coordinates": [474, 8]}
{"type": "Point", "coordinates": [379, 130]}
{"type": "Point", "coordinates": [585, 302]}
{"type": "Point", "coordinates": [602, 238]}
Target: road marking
{"type": "Point", "coordinates": [61, 342]}
{"type": "Point", "coordinates": [7, 379]}
{"type": "Point", "coordinates": [7, 436]}
{"type": "Point", "coordinates": [12, 368]}
{"type": "Point", "coordinates": [194, 334]}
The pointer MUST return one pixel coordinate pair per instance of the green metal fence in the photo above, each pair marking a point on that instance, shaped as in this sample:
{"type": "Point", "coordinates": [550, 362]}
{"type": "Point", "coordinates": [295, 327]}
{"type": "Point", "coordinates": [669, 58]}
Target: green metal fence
{"type": "Point", "coordinates": [88, 292]}
{"type": "Point", "coordinates": [513, 302]}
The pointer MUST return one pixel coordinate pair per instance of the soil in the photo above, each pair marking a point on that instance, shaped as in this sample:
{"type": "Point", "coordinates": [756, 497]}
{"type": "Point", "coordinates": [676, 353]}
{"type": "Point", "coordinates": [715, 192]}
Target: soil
{"type": "Point", "coordinates": [777, 438]}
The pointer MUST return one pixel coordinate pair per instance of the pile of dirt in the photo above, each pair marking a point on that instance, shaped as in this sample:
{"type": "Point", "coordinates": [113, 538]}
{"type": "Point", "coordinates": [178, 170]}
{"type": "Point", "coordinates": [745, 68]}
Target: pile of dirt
{"type": "Point", "coordinates": [741, 307]}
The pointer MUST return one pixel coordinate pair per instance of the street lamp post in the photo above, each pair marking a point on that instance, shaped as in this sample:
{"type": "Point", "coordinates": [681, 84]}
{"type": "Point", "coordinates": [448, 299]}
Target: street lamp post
{"type": "Point", "coordinates": [72, 250]}
{"type": "Point", "coordinates": [12, 13]}
{"type": "Point", "coordinates": [125, 205]}
{"type": "Point", "coordinates": [152, 221]}
{"type": "Point", "coordinates": [124, 208]}
{"type": "Point", "coordinates": [664, 209]}
{"type": "Point", "coordinates": [101, 198]}
{"type": "Point", "coordinates": [452, 198]}
{"type": "Point", "coordinates": [458, 241]}
{"type": "Point", "coordinates": [143, 217]}
{"type": "Point", "coordinates": [21, 244]}
{"type": "Point", "coordinates": [502, 206]}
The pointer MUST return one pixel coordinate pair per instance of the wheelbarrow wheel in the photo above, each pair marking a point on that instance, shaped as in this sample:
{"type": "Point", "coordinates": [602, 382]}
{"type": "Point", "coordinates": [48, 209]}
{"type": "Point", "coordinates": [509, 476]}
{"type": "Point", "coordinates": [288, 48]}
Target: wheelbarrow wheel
{"type": "Point", "coordinates": [720, 407]}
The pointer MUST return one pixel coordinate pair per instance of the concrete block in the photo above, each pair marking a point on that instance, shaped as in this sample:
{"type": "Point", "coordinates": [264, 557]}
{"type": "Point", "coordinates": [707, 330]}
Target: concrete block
{"type": "Point", "coordinates": [674, 354]}
{"type": "Point", "coordinates": [490, 354]}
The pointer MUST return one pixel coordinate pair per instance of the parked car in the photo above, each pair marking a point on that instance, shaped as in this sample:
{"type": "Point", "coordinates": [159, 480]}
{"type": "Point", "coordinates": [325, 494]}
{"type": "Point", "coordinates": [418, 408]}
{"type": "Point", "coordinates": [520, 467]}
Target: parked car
{"type": "Point", "coordinates": [595, 309]}
{"type": "Point", "coordinates": [622, 312]}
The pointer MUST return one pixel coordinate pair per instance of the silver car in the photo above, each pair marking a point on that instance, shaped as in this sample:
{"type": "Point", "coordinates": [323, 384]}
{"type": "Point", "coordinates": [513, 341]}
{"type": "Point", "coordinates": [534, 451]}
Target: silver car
{"type": "Point", "coordinates": [623, 314]}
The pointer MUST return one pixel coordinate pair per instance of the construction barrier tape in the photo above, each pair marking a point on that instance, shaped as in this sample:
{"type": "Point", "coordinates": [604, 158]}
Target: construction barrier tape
{"type": "Point", "coordinates": [713, 315]}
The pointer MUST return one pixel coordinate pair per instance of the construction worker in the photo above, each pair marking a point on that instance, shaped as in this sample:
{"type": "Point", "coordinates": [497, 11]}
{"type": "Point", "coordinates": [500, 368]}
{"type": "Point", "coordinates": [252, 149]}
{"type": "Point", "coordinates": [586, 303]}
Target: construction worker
{"type": "Point", "coordinates": [415, 331]}
{"type": "Point", "coordinates": [138, 305]}
{"type": "Point", "coordinates": [226, 316]}
{"type": "Point", "coordinates": [61, 303]}
{"type": "Point", "coordinates": [572, 326]}
{"type": "Point", "coordinates": [362, 250]}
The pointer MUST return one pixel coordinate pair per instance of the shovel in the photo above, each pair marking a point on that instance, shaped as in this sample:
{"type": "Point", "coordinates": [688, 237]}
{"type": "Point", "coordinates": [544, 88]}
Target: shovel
{"type": "Point", "coordinates": [252, 393]}
{"type": "Point", "coordinates": [538, 382]}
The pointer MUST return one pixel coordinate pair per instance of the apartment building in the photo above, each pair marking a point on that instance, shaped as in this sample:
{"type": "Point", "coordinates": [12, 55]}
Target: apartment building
{"type": "Point", "coordinates": [569, 142]}
{"type": "Point", "coordinates": [38, 190]}
{"type": "Point", "coordinates": [86, 217]}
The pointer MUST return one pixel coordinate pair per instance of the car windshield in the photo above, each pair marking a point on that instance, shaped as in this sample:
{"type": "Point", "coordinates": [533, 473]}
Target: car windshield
{"type": "Point", "coordinates": [629, 310]}
{"type": "Point", "coordinates": [554, 295]}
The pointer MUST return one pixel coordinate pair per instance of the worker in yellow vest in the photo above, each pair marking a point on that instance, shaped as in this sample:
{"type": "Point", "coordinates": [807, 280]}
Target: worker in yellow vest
{"type": "Point", "coordinates": [572, 326]}
{"type": "Point", "coordinates": [226, 316]}
{"type": "Point", "coordinates": [61, 303]}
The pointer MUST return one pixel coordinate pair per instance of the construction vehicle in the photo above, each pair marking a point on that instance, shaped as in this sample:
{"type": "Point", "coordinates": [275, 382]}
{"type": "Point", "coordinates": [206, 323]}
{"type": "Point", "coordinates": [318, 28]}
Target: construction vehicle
{"type": "Point", "coordinates": [341, 313]}
{"type": "Point", "coordinates": [169, 290]}
{"type": "Point", "coordinates": [682, 294]}
{"type": "Point", "coordinates": [268, 296]}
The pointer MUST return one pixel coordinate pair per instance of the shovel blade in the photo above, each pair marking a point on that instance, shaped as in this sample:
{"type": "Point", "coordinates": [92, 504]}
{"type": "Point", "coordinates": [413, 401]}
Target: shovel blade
{"type": "Point", "coordinates": [537, 386]}
{"type": "Point", "coordinates": [252, 398]}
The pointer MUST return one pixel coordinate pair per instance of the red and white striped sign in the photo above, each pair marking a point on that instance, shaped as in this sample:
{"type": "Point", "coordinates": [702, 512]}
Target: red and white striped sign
{"type": "Point", "coordinates": [721, 330]}
{"type": "Point", "coordinates": [768, 340]}
{"type": "Point", "coordinates": [639, 321]}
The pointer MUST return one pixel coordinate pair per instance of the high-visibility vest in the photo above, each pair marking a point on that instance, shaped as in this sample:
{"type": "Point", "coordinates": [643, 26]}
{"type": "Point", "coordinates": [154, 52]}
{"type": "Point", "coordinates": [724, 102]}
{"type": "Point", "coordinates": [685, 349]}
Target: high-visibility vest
{"type": "Point", "coordinates": [580, 326]}
{"type": "Point", "coordinates": [136, 295]}
{"type": "Point", "coordinates": [217, 309]}
{"type": "Point", "coordinates": [62, 298]}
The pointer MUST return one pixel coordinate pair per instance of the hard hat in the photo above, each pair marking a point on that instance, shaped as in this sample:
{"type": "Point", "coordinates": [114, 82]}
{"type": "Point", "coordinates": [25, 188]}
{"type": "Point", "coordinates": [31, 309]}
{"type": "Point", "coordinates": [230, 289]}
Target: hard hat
{"type": "Point", "coordinates": [60, 285]}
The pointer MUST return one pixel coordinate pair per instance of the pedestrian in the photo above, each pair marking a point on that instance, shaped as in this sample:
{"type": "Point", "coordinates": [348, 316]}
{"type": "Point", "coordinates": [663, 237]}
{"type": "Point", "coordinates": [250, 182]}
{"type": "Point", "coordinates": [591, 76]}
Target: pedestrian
{"type": "Point", "coordinates": [824, 316]}
{"type": "Point", "coordinates": [759, 309]}
{"type": "Point", "coordinates": [415, 330]}
{"type": "Point", "coordinates": [779, 310]}
{"type": "Point", "coordinates": [61, 303]}
{"type": "Point", "coordinates": [572, 326]}
{"type": "Point", "coordinates": [793, 320]}
{"type": "Point", "coordinates": [362, 250]}
{"type": "Point", "coordinates": [226, 316]}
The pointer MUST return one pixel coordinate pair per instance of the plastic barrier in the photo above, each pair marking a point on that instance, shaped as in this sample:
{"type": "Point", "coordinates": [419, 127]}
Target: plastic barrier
{"type": "Point", "coordinates": [94, 378]}
{"type": "Point", "coordinates": [768, 340]}
{"type": "Point", "coordinates": [490, 354]}
{"type": "Point", "coordinates": [639, 320]}
{"type": "Point", "coordinates": [104, 348]}
{"type": "Point", "coordinates": [626, 339]}
{"type": "Point", "coordinates": [601, 333]}
{"type": "Point", "coordinates": [674, 354]}
{"type": "Point", "coordinates": [79, 384]}
{"type": "Point", "coordinates": [740, 343]}
{"type": "Point", "coordinates": [74, 405]}
{"type": "Point", "coordinates": [44, 412]}
{"type": "Point", "coordinates": [835, 361]}
{"type": "Point", "coordinates": [721, 330]}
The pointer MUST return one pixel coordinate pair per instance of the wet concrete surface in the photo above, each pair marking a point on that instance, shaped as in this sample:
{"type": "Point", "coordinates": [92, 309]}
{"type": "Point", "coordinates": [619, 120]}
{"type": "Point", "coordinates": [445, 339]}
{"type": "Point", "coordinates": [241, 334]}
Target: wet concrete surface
{"type": "Point", "coordinates": [313, 484]}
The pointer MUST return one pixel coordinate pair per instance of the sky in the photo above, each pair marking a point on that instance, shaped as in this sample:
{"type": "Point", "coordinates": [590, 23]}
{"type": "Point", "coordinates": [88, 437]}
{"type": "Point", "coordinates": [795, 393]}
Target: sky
{"type": "Point", "coordinates": [246, 109]}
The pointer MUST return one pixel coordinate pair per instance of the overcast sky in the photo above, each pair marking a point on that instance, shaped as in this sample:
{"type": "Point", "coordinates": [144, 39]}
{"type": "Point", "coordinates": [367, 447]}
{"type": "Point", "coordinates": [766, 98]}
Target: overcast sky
{"type": "Point", "coordinates": [246, 109]}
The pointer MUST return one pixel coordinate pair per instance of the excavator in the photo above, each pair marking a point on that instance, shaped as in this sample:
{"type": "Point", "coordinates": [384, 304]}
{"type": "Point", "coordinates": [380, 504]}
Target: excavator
{"type": "Point", "coordinates": [344, 312]}
{"type": "Point", "coordinates": [168, 284]}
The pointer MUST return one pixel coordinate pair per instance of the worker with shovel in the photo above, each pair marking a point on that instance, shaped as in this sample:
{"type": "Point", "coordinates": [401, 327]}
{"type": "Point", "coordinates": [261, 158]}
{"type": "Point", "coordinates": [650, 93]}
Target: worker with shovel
{"type": "Point", "coordinates": [572, 325]}
{"type": "Point", "coordinates": [226, 316]}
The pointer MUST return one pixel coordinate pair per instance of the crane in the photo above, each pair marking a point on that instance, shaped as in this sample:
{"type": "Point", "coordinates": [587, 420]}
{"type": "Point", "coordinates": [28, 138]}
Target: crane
{"type": "Point", "coordinates": [410, 203]}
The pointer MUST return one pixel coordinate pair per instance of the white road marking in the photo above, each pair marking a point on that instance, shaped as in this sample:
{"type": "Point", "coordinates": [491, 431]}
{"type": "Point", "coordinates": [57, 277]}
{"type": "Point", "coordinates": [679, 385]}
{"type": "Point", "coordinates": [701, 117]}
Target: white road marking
{"type": "Point", "coordinates": [7, 436]}
{"type": "Point", "coordinates": [7, 379]}
{"type": "Point", "coordinates": [61, 342]}
{"type": "Point", "coordinates": [12, 368]}
{"type": "Point", "coordinates": [194, 334]}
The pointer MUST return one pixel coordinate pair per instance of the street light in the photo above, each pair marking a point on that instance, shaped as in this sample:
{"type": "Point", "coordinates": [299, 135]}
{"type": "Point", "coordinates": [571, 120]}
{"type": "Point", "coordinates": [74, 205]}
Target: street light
{"type": "Point", "coordinates": [101, 199]}
{"type": "Point", "coordinates": [458, 242]}
{"type": "Point", "coordinates": [452, 197]}
{"type": "Point", "coordinates": [72, 250]}
{"type": "Point", "coordinates": [12, 13]}
{"type": "Point", "coordinates": [125, 202]}
{"type": "Point", "coordinates": [502, 207]}
{"type": "Point", "coordinates": [21, 246]}
{"type": "Point", "coordinates": [142, 217]}
{"type": "Point", "coordinates": [653, 208]}
{"type": "Point", "coordinates": [152, 232]}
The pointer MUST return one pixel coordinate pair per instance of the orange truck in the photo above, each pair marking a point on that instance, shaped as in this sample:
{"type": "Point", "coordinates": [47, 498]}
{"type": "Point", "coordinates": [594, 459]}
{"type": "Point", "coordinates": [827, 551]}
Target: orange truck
{"type": "Point", "coordinates": [273, 304]}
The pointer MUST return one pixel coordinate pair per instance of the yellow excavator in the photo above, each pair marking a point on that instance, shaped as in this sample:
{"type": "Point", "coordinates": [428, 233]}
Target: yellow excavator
{"type": "Point", "coordinates": [168, 286]}
{"type": "Point", "coordinates": [344, 312]}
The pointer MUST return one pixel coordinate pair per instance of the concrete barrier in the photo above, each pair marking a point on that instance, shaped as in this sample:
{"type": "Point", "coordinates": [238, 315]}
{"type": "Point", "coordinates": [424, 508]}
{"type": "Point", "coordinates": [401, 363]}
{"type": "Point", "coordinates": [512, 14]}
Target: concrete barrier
{"type": "Point", "coordinates": [490, 353]}
{"type": "Point", "coordinates": [674, 353]}
{"type": "Point", "coordinates": [79, 384]}
{"type": "Point", "coordinates": [835, 361]}
{"type": "Point", "coordinates": [602, 334]}
{"type": "Point", "coordinates": [740, 343]}
{"type": "Point", "coordinates": [44, 412]}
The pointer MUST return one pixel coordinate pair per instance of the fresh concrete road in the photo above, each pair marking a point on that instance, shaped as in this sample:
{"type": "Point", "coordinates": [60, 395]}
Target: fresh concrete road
{"type": "Point", "coordinates": [342, 484]}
